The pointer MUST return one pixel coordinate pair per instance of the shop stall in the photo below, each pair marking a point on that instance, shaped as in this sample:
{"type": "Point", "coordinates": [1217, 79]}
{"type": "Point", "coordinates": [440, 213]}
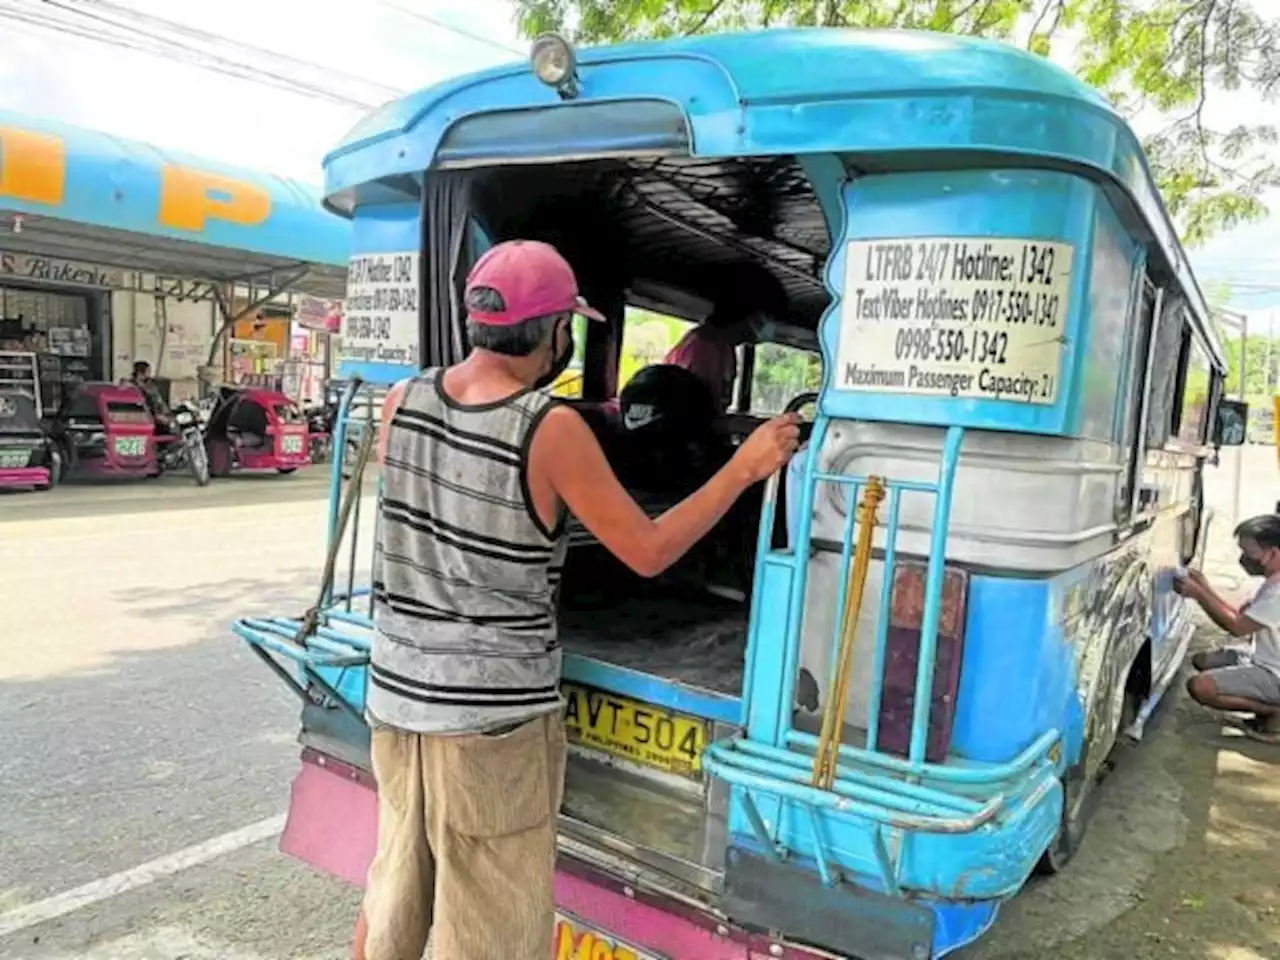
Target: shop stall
{"type": "Point", "coordinates": [113, 251]}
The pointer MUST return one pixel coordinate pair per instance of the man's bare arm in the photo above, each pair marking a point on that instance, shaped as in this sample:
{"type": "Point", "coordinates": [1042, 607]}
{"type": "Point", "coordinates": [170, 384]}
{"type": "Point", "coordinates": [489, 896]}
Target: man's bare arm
{"type": "Point", "coordinates": [1228, 617]}
{"type": "Point", "coordinates": [390, 404]}
{"type": "Point", "coordinates": [566, 460]}
{"type": "Point", "coordinates": [1225, 614]}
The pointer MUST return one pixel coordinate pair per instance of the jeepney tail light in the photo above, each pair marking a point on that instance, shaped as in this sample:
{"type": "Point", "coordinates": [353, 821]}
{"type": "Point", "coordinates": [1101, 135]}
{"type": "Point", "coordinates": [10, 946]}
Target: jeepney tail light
{"type": "Point", "coordinates": [907, 606]}
{"type": "Point", "coordinates": [902, 658]}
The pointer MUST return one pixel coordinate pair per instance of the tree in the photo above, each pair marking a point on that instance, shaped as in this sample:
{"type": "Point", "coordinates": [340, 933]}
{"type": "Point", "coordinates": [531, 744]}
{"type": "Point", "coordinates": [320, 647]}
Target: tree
{"type": "Point", "coordinates": [1161, 55]}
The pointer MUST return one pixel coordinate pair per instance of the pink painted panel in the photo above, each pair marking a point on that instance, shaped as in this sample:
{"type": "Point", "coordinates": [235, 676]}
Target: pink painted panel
{"type": "Point", "coordinates": [641, 924]}
{"type": "Point", "coordinates": [332, 826]}
{"type": "Point", "coordinates": [24, 477]}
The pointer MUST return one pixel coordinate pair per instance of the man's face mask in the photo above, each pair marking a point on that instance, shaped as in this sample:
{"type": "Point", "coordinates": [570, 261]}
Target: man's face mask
{"type": "Point", "coordinates": [1252, 565]}
{"type": "Point", "coordinates": [560, 362]}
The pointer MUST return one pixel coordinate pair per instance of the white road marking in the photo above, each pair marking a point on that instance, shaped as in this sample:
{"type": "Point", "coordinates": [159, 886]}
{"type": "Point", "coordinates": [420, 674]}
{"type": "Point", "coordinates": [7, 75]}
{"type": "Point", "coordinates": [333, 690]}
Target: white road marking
{"type": "Point", "coordinates": [139, 876]}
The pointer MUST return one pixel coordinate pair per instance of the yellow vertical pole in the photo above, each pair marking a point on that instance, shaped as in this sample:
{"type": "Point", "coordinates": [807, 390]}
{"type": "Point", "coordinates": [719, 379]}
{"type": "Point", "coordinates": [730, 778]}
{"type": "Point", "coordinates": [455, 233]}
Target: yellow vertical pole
{"type": "Point", "coordinates": [828, 754]}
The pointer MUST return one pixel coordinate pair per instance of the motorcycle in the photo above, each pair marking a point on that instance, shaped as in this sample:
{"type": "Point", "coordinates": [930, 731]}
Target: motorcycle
{"type": "Point", "coordinates": [320, 430]}
{"type": "Point", "coordinates": [184, 448]}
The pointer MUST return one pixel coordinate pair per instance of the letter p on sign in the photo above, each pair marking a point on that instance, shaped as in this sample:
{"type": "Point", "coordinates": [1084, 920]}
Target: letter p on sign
{"type": "Point", "coordinates": [33, 166]}
{"type": "Point", "coordinates": [189, 198]}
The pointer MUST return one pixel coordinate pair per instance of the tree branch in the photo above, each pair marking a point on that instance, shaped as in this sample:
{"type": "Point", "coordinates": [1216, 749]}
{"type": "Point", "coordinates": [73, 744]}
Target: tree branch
{"type": "Point", "coordinates": [705, 19]}
{"type": "Point", "coordinates": [1058, 6]}
{"type": "Point", "coordinates": [1198, 115]}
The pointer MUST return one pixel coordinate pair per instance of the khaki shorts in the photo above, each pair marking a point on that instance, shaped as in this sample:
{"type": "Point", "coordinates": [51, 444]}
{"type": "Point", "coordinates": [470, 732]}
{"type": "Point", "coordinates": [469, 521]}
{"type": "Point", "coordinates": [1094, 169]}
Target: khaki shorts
{"type": "Point", "coordinates": [466, 843]}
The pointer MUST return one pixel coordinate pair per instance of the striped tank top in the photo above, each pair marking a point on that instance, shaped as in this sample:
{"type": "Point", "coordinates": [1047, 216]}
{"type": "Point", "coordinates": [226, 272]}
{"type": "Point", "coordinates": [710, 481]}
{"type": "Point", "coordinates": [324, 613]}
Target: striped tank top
{"type": "Point", "coordinates": [466, 574]}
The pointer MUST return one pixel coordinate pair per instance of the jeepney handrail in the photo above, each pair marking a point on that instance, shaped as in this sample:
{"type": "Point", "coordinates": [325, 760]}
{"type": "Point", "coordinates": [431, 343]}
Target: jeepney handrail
{"type": "Point", "coordinates": [951, 773]}
{"type": "Point", "coordinates": [881, 797]}
{"type": "Point", "coordinates": [321, 647]}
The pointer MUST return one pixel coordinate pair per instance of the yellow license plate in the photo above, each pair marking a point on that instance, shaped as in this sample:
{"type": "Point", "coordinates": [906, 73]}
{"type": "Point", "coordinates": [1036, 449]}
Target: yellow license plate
{"type": "Point", "coordinates": [577, 941]}
{"type": "Point", "coordinates": [634, 731]}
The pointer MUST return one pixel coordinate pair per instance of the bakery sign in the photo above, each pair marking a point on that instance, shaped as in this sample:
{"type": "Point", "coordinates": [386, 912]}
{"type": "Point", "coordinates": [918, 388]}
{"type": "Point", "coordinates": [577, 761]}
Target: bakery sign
{"type": "Point", "coordinates": [69, 273]}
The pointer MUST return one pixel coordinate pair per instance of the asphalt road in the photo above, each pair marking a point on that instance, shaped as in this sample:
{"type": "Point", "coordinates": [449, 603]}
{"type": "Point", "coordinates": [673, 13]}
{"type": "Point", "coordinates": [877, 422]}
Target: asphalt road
{"type": "Point", "coordinates": [135, 726]}
{"type": "Point", "coordinates": [145, 756]}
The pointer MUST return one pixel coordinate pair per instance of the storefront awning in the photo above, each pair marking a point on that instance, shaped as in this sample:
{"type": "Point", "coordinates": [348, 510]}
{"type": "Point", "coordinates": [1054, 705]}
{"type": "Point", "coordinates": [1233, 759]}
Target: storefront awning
{"type": "Point", "coordinates": [73, 199]}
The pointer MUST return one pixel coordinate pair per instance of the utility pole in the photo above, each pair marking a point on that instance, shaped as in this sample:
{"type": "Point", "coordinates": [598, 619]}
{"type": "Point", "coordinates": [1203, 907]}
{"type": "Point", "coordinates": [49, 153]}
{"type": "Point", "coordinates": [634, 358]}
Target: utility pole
{"type": "Point", "coordinates": [1271, 333]}
{"type": "Point", "coordinates": [1240, 322]}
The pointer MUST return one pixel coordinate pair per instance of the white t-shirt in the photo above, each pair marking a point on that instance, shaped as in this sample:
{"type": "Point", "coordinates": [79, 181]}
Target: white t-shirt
{"type": "Point", "coordinates": [1264, 609]}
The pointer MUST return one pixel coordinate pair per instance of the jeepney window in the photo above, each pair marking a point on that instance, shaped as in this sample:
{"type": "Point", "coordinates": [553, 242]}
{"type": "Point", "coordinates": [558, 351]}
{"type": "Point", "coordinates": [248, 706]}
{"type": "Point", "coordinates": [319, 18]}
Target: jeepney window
{"type": "Point", "coordinates": [779, 374]}
{"type": "Point", "coordinates": [647, 337]}
{"type": "Point", "coordinates": [569, 384]}
{"type": "Point", "coordinates": [1191, 414]}
{"type": "Point", "coordinates": [1165, 373]}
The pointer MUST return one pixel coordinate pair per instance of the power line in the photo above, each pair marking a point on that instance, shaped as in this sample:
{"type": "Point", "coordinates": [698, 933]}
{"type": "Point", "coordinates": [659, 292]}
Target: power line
{"type": "Point", "coordinates": [95, 21]}
{"type": "Point", "coordinates": [175, 49]}
{"type": "Point", "coordinates": [444, 25]}
{"type": "Point", "coordinates": [196, 33]}
{"type": "Point", "coordinates": [133, 39]}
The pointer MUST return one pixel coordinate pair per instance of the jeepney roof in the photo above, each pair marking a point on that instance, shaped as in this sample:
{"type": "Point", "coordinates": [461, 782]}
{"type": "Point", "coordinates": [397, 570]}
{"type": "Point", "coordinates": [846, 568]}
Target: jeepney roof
{"type": "Point", "coordinates": [772, 66]}
{"type": "Point", "coordinates": [884, 97]}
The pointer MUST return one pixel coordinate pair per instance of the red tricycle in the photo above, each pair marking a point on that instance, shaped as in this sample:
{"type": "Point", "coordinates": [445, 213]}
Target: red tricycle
{"type": "Point", "coordinates": [29, 459]}
{"type": "Point", "coordinates": [105, 430]}
{"type": "Point", "coordinates": [256, 429]}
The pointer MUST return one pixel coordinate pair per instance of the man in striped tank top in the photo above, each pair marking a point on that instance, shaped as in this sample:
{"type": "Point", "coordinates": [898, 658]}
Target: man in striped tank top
{"type": "Point", "coordinates": [479, 471]}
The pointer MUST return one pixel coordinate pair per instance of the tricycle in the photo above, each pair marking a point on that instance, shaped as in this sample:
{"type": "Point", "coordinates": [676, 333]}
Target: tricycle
{"type": "Point", "coordinates": [29, 459]}
{"type": "Point", "coordinates": [256, 429]}
{"type": "Point", "coordinates": [106, 431]}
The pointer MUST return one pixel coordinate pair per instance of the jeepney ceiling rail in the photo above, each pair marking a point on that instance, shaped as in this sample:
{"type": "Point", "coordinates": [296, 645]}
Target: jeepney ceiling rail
{"type": "Point", "coordinates": [755, 196]}
{"type": "Point", "coordinates": [740, 244]}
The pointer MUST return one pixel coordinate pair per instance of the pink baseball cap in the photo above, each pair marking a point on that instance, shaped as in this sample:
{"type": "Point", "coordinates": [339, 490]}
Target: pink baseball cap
{"type": "Point", "coordinates": [518, 280]}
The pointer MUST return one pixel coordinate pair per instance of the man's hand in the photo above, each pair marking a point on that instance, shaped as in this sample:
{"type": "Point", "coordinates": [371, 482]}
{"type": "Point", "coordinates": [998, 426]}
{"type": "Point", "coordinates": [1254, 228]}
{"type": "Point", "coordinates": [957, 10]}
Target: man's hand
{"type": "Point", "coordinates": [768, 448]}
{"type": "Point", "coordinates": [1192, 585]}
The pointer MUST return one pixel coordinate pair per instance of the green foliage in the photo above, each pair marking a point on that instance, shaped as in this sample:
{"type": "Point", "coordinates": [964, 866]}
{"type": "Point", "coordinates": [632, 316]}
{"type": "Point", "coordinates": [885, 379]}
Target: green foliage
{"type": "Point", "coordinates": [646, 338]}
{"type": "Point", "coordinates": [1164, 55]}
{"type": "Point", "coordinates": [1257, 357]}
{"type": "Point", "coordinates": [780, 374]}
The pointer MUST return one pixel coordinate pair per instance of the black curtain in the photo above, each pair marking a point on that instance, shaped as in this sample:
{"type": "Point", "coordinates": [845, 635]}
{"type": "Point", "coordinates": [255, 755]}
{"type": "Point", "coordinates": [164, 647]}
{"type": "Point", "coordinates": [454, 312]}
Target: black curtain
{"type": "Point", "coordinates": [447, 205]}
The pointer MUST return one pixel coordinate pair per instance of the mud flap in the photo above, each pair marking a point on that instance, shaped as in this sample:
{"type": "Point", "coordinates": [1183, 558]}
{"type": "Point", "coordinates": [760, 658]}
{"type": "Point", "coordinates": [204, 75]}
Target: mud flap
{"type": "Point", "coordinates": [333, 818]}
{"type": "Point", "coordinates": [771, 895]}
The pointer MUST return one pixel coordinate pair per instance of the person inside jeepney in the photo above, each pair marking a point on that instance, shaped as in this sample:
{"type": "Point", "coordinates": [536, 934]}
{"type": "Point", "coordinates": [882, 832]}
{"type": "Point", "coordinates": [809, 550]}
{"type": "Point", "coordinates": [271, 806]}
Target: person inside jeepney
{"type": "Point", "coordinates": [708, 352]}
{"type": "Point", "coordinates": [479, 469]}
{"type": "Point", "coordinates": [1243, 677]}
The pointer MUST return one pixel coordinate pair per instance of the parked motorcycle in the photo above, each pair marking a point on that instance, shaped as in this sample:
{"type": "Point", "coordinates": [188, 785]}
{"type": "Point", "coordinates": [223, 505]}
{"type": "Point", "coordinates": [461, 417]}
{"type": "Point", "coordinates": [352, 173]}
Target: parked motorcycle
{"type": "Point", "coordinates": [320, 430]}
{"type": "Point", "coordinates": [184, 448]}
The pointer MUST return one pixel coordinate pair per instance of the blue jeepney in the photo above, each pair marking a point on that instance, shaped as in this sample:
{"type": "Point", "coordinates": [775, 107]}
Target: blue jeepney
{"type": "Point", "coordinates": [858, 718]}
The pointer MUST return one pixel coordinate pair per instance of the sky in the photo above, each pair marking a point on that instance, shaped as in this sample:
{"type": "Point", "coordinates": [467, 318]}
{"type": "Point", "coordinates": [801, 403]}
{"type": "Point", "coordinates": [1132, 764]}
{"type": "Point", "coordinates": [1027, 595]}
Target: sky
{"type": "Point", "coordinates": [157, 100]}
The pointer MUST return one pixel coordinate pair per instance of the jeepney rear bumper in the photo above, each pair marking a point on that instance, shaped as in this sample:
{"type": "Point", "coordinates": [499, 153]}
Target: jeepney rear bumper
{"type": "Point", "coordinates": [332, 825]}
